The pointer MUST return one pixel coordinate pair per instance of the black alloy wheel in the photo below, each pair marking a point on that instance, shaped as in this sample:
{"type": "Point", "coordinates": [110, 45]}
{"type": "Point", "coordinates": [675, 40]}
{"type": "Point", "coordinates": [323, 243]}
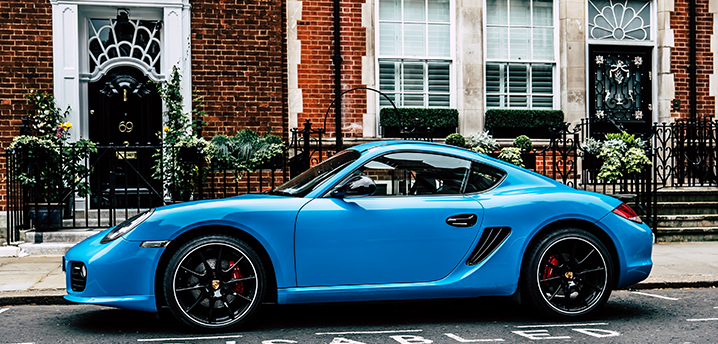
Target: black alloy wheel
{"type": "Point", "coordinates": [214, 283]}
{"type": "Point", "coordinates": [568, 275]}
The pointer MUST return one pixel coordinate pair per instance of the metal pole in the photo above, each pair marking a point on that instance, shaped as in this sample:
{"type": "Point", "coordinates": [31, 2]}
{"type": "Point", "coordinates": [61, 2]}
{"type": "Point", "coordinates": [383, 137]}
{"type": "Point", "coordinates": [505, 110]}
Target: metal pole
{"type": "Point", "coordinates": [337, 76]}
{"type": "Point", "coordinates": [692, 59]}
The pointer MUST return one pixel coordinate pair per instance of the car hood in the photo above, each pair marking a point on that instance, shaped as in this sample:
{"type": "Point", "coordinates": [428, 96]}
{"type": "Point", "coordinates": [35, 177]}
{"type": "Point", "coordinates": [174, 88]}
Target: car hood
{"type": "Point", "coordinates": [251, 213]}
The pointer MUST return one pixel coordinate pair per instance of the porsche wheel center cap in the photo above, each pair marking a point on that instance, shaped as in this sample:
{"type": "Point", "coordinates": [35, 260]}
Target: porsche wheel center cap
{"type": "Point", "coordinates": [215, 284]}
{"type": "Point", "coordinates": [569, 275]}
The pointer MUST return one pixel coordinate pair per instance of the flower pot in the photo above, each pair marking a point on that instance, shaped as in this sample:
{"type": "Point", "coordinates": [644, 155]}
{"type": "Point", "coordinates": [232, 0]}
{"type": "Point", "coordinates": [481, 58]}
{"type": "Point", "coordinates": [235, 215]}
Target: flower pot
{"type": "Point", "coordinates": [44, 216]}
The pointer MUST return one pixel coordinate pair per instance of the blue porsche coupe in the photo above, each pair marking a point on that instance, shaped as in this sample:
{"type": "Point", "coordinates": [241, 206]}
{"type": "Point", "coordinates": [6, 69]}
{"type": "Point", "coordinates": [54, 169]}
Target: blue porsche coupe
{"type": "Point", "coordinates": [380, 221]}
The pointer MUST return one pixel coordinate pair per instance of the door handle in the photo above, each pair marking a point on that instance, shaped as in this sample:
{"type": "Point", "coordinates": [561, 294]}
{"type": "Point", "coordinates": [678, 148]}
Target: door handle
{"type": "Point", "coordinates": [462, 220]}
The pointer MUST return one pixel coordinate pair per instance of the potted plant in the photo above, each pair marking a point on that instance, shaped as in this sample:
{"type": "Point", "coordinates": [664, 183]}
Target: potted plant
{"type": "Point", "coordinates": [524, 143]}
{"type": "Point", "coordinates": [622, 155]}
{"type": "Point", "coordinates": [505, 123]}
{"type": "Point", "coordinates": [432, 122]}
{"type": "Point", "coordinates": [177, 163]}
{"type": "Point", "coordinates": [511, 155]}
{"type": "Point", "coordinates": [246, 151]}
{"type": "Point", "coordinates": [482, 142]}
{"type": "Point", "coordinates": [455, 140]}
{"type": "Point", "coordinates": [51, 167]}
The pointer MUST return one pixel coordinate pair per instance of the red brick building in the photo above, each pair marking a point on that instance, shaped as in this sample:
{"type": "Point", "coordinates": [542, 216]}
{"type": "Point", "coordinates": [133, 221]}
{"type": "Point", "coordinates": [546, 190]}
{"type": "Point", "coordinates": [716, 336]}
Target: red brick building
{"type": "Point", "coordinates": [269, 64]}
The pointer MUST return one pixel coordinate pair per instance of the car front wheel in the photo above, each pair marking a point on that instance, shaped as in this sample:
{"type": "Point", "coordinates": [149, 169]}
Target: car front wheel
{"type": "Point", "coordinates": [214, 282]}
{"type": "Point", "coordinates": [568, 275]}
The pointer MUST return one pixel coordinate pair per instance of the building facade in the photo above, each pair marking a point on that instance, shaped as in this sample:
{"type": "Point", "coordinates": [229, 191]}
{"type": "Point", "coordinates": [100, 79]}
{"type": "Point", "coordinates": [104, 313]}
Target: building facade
{"type": "Point", "coordinates": [269, 65]}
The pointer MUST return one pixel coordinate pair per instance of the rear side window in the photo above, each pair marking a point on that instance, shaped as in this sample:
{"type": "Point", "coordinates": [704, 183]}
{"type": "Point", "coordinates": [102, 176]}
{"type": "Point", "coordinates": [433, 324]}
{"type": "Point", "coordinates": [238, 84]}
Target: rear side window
{"type": "Point", "coordinates": [483, 177]}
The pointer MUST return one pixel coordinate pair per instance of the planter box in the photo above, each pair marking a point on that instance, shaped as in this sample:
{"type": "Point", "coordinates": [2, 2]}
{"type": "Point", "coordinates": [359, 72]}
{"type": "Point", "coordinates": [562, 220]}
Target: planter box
{"type": "Point", "coordinates": [45, 216]}
{"type": "Point", "coordinates": [534, 133]}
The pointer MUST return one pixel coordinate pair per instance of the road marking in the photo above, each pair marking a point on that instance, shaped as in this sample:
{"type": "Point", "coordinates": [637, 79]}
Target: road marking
{"type": "Point", "coordinates": [3, 309]}
{"type": "Point", "coordinates": [366, 332]}
{"type": "Point", "coordinates": [706, 319]}
{"type": "Point", "coordinates": [462, 340]}
{"type": "Point", "coordinates": [187, 338]}
{"type": "Point", "coordinates": [654, 295]}
{"type": "Point", "coordinates": [562, 325]}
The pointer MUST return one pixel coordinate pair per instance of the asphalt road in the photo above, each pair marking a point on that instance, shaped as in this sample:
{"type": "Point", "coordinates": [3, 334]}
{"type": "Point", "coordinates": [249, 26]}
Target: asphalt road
{"type": "Point", "coordinates": [646, 316]}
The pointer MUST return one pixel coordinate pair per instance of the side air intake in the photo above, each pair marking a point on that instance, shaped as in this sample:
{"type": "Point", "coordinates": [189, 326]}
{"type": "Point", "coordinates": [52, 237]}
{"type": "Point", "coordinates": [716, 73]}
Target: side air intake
{"type": "Point", "coordinates": [490, 240]}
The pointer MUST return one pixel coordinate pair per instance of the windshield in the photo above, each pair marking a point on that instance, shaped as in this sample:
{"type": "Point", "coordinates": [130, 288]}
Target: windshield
{"type": "Point", "coordinates": [309, 179]}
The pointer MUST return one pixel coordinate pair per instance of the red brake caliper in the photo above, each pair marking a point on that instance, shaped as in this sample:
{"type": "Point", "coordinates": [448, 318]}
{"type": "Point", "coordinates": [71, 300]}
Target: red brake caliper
{"type": "Point", "coordinates": [548, 270]}
{"type": "Point", "coordinates": [239, 287]}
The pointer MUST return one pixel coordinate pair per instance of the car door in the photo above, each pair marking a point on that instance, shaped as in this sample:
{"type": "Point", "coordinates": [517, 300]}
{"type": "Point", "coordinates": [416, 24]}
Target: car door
{"type": "Point", "coordinates": [416, 228]}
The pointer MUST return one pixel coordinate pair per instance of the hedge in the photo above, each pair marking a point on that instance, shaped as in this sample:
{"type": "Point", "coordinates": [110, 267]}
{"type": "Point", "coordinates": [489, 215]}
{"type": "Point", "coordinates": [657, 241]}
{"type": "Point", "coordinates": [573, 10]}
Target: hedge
{"type": "Point", "coordinates": [505, 118]}
{"type": "Point", "coordinates": [434, 117]}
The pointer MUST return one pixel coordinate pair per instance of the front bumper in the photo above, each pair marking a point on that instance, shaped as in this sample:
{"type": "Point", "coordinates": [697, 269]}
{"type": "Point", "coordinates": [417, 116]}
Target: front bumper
{"type": "Point", "coordinates": [119, 274]}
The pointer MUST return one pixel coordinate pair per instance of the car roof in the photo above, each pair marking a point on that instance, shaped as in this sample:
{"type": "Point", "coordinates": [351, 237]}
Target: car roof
{"type": "Point", "coordinates": [371, 145]}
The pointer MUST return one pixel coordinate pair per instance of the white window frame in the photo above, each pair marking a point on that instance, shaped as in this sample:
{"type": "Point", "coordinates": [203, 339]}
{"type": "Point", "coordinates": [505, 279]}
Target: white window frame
{"type": "Point", "coordinates": [555, 61]}
{"type": "Point", "coordinates": [428, 58]}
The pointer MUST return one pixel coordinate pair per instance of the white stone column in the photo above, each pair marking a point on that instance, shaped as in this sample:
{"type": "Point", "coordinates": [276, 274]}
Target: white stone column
{"type": "Point", "coordinates": [665, 83]}
{"type": "Point", "coordinates": [294, 54]}
{"type": "Point", "coordinates": [65, 62]}
{"type": "Point", "coordinates": [176, 49]}
{"type": "Point", "coordinates": [572, 60]}
{"type": "Point", "coordinates": [368, 73]}
{"type": "Point", "coordinates": [469, 68]}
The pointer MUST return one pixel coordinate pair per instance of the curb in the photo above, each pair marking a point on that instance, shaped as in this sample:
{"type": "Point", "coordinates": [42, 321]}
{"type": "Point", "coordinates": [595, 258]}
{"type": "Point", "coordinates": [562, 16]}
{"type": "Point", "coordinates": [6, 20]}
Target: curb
{"type": "Point", "coordinates": [673, 285]}
{"type": "Point", "coordinates": [39, 297]}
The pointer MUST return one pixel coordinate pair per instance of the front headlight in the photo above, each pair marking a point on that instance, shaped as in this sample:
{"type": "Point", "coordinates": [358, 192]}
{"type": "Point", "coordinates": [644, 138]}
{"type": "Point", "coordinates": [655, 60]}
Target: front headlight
{"type": "Point", "coordinates": [126, 226]}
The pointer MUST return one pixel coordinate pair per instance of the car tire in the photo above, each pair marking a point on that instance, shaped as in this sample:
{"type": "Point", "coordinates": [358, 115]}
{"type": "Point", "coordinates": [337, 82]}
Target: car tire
{"type": "Point", "coordinates": [568, 274]}
{"type": "Point", "coordinates": [209, 296]}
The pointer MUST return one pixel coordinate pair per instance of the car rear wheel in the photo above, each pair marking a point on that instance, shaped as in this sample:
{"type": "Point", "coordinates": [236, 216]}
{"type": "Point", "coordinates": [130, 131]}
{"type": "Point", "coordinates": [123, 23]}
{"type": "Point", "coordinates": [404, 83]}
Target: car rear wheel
{"type": "Point", "coordinates": [568, 275]}
{"type": "Point", "coordinates": [214, 282]}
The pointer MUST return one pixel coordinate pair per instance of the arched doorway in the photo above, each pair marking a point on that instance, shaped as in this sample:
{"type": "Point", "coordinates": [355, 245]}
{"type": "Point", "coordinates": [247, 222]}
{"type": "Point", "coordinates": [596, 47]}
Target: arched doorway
{"type": "Point", "coordinates": [125, 118]}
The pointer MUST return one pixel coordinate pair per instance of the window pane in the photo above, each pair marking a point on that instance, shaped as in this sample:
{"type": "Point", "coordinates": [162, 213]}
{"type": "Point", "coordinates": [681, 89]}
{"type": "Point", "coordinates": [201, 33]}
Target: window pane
{"type": "Point", "coordinates": [438, 100]}
{"type": "Point", "coordinates": [413, 100]}
{"type": "Point", "coordinates": [520, 47]}
{"type": "Point", "coordinates": [414, 10]}
{"type": "Point", "coordinates": [390, 10]}
{"type": "Point", "coordinates": [543, 44]}
{"type": "Point", "coordinates": [389, 39]}
{"type": "Point", "coordinates": [518, 101]}
{"type": "Point", "coordinates": [439, 41]}
{"type": "Point", "coordinates": [414, 39]}
{"type": "Point", "coordinates": [439, 77]}
{"type": "Point", "coordinates": [520, 11]}
{"type": "Point", "coordinates": [543, 12]}
{"type": "Point", "coordinates": [495, 101]}
{"type": "Point", "coordinates": [518, 78]}
{"type": "Point", "coordinates": [439, 11]}
{"type": "Point", "coordinates": [542, 78]}
{"type": "Point", "coordinates": [498, 13]}
{"type": "Point", "coordinates": [495, 81]}
{"type": "Point", "coordinates": [497, 42]}
{"type": "Point", "coordinates": [388, 72]}
{"type": "Point", "coordinates": [542, 102]}
{"type": "Point", "coordinates": [383, 102]}
{"type": "Point", "coordinates": [413, 77]}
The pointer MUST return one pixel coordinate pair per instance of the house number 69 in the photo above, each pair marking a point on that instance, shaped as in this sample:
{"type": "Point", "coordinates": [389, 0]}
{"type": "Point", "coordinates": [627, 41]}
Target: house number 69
{"type": "Point", "coordinates": [126, 127]}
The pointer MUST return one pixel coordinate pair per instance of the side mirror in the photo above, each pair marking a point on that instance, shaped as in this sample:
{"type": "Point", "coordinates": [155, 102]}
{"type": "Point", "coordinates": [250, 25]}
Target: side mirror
{"type": "Point", "coordinates": [356, 186]}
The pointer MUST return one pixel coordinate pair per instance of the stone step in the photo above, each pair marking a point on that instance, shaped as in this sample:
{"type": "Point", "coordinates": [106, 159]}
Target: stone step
{"type": "Point", "coordinates": [46, 249]}
{"type": "Point", "coordinates": [688, 221]}
{"type": "Point", "coordinates": [688, 194]}
{"type": "Point", "coordinates": [679, 234]}
{"type": "Point", "coordinates": [91, 223]}
{"type": "Point", "coordinates": [65, 236]}
{"type": "Point", "coordinates": [105, 213]}
{"type": "Point", "coordinates": [687, 208]}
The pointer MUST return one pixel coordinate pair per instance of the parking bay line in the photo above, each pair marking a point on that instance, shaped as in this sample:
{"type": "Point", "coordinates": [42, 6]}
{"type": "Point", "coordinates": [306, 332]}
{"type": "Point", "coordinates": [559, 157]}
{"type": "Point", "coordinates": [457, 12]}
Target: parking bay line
{"type": "Point", "coordinates": [654, 295]}
{"type": "Point", "coordinates": [3, 309]}
{"type": "Point", "coordinates": [562, 325]}
{"type": "Point", "coordinates": [187, 338]}
{"type": "Point", "coordinates": [366, 332]}
{"type": "Point", "coordinates": [706, 319]}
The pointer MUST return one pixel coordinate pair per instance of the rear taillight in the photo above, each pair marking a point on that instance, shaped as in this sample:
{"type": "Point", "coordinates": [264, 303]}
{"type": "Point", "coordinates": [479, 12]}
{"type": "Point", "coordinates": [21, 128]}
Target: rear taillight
{"type": "Point", "coordinates": [626, 212]}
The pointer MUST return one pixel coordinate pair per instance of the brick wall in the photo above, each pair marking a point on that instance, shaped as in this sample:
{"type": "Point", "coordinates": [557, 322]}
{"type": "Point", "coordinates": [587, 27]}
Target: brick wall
{"type": "Point", "coordinates": [316, 70]}
{"type": "Point", "coordinates": [25, 63]}
{"type": "Point", "coordinates": [239, 64]}
{"type": "Point", "coordinates": [680, 55]}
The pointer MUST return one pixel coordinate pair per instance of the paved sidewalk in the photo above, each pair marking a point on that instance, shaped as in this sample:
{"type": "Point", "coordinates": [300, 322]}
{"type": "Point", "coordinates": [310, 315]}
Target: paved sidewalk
{"type": "Point", "coordinates": [40, 280]}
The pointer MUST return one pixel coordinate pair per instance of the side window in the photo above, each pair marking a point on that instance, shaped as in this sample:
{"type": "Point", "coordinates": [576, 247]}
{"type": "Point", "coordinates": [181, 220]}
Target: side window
{"type": "Point", "coordinates": [411, 173]}
{"type": "Point", "coordinates": [483, 177]}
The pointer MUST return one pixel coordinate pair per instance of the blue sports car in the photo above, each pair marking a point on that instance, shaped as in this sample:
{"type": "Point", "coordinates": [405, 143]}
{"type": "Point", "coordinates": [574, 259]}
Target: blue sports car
{"type": "Point", "coordinates": [380, 221]}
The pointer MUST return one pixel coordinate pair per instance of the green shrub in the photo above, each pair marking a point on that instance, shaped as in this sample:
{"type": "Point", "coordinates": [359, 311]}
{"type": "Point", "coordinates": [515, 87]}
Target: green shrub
{"type": "Point", "coordinates": [511, 155]}
{"type": "Point", "coordinates": [433, 117]}
{"type": "Point", "coordinates": [496, 118]}
{"type": "Point", "coordinates": [523, 142]}
{"type": "Point", "coordinates": [456, 140]}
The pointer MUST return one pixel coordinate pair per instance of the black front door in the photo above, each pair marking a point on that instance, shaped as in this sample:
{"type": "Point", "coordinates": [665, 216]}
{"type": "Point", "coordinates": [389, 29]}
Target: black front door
{"type": "Point", "coordinates": [125, 117]}
{"type": "Point", "coordinates": [621, 95]}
